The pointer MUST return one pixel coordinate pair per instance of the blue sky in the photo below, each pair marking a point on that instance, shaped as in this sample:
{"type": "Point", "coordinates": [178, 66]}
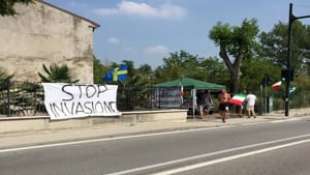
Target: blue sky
{"type": "Point", "coordinates": [145, 31]}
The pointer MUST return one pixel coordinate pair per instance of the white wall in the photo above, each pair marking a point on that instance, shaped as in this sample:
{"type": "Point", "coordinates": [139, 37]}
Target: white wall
{"type": "Point", "coordinates": [41, 34]}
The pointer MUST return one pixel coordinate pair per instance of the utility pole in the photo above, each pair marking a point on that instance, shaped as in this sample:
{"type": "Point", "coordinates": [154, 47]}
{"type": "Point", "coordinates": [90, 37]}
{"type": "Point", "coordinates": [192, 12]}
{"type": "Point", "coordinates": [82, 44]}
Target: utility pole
{"type": "Point", "coordinates": [289, 55]}
{"type": "Point", "coordinates": [289, 70]}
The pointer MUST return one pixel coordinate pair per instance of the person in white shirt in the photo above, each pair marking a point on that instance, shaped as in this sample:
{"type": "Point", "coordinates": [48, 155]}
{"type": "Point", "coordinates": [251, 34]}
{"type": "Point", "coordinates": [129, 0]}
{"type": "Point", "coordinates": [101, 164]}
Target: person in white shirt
{"type": "Point", "coordinates": [250, 103]}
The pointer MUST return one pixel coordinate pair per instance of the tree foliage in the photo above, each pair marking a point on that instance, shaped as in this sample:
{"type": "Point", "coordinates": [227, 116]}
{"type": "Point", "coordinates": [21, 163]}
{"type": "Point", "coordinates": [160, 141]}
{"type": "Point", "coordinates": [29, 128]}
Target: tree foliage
{"type": "Point", "coordinates": [7, 6]}
{"type": "Point", "coordinates": [177, 65]}
{"type": "Point", "coordinates": [99, 70]}
{"type": "Point", "coordinates": [132, 92]}
{"type": "Point", "coordinates": [137, 77]}
{"type": "Point", "coordinates": [255, 70]}
{"type": "Point", "coordinates": [56, 74]}
{"type": "Point", "coordinates": [238, 42]}
{"type": "Point", "coordinates": [4, 77]}
{"type": "Point", "coordinates": [274, 45]}
{"type": "Point", "coordinates": [215, 71]}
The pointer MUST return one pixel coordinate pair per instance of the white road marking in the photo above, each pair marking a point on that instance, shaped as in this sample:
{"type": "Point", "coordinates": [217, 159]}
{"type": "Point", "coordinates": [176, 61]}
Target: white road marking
{"type": "Point", "coordinates": [205, 155]}
{"type": "Point", "coordinates": [109, 139]}
{"type": "Point", "coordinates": [229, 158]}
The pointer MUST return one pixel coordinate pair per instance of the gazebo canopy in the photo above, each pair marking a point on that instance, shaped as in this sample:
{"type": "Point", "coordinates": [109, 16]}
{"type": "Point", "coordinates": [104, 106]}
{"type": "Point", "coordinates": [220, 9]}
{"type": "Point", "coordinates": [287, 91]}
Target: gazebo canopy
{"type": "Point", "coordinates": [190, 83]}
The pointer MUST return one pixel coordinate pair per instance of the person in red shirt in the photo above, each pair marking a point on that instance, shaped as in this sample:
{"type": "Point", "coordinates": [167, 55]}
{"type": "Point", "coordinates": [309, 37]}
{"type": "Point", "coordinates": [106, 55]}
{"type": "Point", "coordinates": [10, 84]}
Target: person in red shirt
{"type": "Point", "coordinates": [224, 97]}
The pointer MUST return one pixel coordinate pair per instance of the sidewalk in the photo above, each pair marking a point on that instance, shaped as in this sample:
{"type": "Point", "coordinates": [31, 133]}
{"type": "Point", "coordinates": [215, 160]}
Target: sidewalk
{"type": "Point", "coordinates": [47, 136]}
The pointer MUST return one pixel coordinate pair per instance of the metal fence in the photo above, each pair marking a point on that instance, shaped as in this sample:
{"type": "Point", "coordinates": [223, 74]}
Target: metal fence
{"type": "Point", "coordinates": [135, 98]}
{"type": "Point", "coordinates": [270, 101]}
{"type": "Point", "coordinates": [21, 99]}
{"type": "Point", "coordinates": [27, 99]}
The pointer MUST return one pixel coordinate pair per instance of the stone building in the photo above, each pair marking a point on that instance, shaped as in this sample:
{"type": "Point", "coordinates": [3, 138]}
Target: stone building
{"type": "Point", "coordinates": [42, 33]}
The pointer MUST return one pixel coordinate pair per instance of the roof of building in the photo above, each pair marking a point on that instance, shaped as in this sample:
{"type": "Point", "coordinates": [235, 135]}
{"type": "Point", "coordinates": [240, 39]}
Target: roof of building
{"type": "Point", "coordinates": [96, 25]}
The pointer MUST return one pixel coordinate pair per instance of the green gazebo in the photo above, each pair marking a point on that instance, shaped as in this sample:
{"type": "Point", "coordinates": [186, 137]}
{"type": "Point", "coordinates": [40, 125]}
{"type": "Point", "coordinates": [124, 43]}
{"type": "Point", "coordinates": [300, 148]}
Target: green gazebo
{"type": "Point", "coordinates": [191, 84]}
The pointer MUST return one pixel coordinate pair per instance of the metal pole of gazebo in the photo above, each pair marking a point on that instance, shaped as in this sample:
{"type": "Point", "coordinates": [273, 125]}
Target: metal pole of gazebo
{"type": "Point", "coordinates": [194, 102]}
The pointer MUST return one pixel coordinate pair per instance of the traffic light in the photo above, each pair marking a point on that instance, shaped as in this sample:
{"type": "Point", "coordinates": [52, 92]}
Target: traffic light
{"type": "Point", "coordinates": [287, 74]}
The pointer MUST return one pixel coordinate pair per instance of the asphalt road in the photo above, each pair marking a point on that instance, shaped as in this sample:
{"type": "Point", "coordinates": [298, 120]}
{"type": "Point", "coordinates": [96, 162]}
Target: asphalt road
{"type": "Point", "coordinates": [254, 149]}
{"type": "Point", "coordinates": [292, 160]}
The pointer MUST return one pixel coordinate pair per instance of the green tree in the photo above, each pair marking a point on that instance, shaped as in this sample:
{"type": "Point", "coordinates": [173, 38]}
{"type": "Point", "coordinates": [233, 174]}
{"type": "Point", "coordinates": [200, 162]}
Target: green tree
{"type": "Point", "coordinates": [99, 71]}
{"type": "Point", "coordinates": [137, 77]}
{"type": "Point", "coordinates": [215, 71]}
{"type": "Point", "coordinates": [146, 74]}
{"type": "Point", "coordinates": [274, 45]}
{"type": "Point", "coordinates": [180, 64]}
{"type": "Point", "coordinates": [4, 77]}
{"type": "Point", "coordinates": [238, 42]}
{"type": "Point", "coordinates": [183, 64]}
{"type": "Point", "coordinates": [56, 74]}
{"type": "Point", "coordinates": [133, 93]}
{"type": "Point", "coordinates": [7, 6]}
{"type": "Point", "coordinates": [255, 70]}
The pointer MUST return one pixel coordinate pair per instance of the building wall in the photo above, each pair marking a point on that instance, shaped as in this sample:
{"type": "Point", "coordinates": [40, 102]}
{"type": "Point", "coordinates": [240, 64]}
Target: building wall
{"type": "Point", "coordinates": [41, 34]}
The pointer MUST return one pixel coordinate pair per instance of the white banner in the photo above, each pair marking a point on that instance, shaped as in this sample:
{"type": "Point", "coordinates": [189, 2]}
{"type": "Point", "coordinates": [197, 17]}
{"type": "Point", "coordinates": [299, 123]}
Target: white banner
{"type": "Point", "coordinates": [63, 101]}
